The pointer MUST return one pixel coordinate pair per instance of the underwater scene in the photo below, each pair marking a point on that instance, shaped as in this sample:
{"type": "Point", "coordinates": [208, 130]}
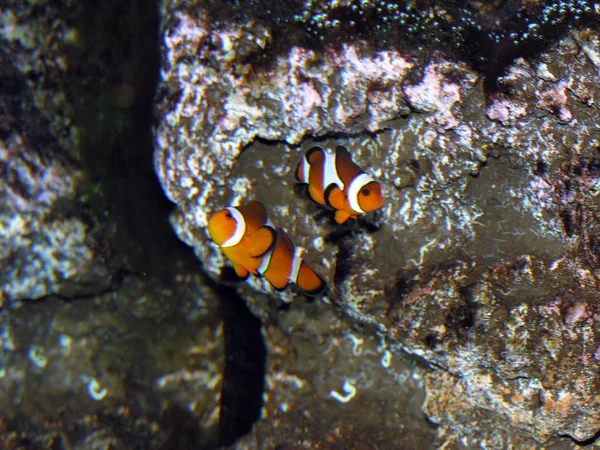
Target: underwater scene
{"type": "Point", "coordinates": [299, 224]}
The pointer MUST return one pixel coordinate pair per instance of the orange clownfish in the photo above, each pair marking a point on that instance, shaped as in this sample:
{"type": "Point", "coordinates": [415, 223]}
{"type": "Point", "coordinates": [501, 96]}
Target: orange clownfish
{"type": "Point", "coordinates": [334, 180]}
{"type": "Point", "coordinates": [253, 246]}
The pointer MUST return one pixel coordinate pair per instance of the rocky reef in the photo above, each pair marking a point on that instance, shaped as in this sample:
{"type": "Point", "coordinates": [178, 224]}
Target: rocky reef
{"type": "Point", "coordinates": [467, 301]}
{"type": "Point", "coordinates": [483, 262]}
{"type": "Point", "coordinates": [111, 336]}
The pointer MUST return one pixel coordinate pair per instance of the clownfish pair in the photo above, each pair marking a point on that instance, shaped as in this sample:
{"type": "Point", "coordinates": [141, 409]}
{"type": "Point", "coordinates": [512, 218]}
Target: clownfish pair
{"type": "Point", "coordinates": [336, 181]}
{"type": "Point", "coordinates": [253, 246]}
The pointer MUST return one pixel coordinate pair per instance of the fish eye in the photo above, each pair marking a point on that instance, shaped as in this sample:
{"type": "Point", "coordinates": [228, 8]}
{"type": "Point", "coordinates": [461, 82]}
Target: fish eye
{"type": "Point", "coordinates": [228, 216]}
{"type": "Point", "coordinates": [365, 192]}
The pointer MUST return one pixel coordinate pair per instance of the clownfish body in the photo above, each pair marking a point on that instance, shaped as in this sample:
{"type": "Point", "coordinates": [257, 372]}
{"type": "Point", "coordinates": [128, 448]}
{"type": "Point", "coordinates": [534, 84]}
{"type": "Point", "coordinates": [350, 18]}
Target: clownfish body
{"type": "Point", "coordinates": [253, 246]}
{"type": "Point", "coordinates": [243, 235]}
{"type": "Point", "coordinates": [336, 181]}
{"type": "Point", "coordinates": [284, 264]}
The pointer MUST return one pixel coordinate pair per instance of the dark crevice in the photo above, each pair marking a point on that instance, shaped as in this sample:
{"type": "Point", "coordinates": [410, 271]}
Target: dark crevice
{"type": "Point", "coordinates": [114, 114]}
{"type": "Point", "coordinates": [396, 292]}
{"type": "Point", "coordinates": [245, 365]}
{"type": "Point", "coordinates": [401, 287]}
{"type": "Point", "coordinates": [541, 167]}
{"type": "Point", "coordinates": [343, 262]}
{"type": "Point", "coordinates": [567, 221]}
{"type": "Point", "coordinates": [430, 341]}
{"type": "Point", "coordinates": [461, 316]}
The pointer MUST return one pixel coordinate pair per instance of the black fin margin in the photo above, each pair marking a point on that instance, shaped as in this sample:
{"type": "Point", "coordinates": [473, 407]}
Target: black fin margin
{"type": "Point", "coordinates": [287, 238]}
{"type": "Point", "coordinates": [318, 292]}
{"type": "Point", "coordinates": [311, 150]}
{"type": "Point", "coordinates": [280, 289]}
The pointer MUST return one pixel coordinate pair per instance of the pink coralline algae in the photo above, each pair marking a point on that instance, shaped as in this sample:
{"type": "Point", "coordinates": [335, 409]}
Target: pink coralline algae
{"type": "Point", "coordinates": [434, 94]}
{"type": "Point", "coordinates": [575, 314]}
{"type": "Point", "coordinates": [504, 110]}
{"type": "Point", "coordinates": [348, 90]}
{"type": "Point", "coordinates": [555, 101]}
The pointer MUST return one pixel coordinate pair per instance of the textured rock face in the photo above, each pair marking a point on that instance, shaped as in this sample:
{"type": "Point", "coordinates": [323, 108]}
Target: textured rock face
{"type": "Point", "coordinates": [46, 247]}
{"type": "Point", "coordinates": [48, 240]}
{"type": "Point", "coordinates": [101, 359]}
{"type": "Point", "coordinates": [483, 261]}
{"type": "Point", "coordinates": [96, 374]}
{"type": "Point", "coordinates": [331, 386]}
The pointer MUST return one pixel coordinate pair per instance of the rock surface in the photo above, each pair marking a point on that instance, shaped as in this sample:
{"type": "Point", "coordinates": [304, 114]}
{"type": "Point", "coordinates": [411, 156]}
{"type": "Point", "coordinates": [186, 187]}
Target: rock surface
{"type": "Point", "coordinates": [482, 267]}
{"type": "Point", "coordinates": [331, 386]}
{"type": "Point", "coordinates": [111, 354]}
{"type": "Point", "coordinates": [483, 261]}
{"type": "Point", "coordinates": [140, 367]}
{"type": "Point", "coordinates": [47, 246]}
{"type": "Point", "coordinates": [49, 243]}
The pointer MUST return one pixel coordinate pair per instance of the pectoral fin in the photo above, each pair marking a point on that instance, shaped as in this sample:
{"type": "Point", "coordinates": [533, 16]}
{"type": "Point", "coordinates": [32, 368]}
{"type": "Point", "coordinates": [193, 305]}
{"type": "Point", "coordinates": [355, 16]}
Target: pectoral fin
{"type": "Point", "coordinates": [254, 214]}
{"type": "Point", "coordinates": [261, 242]}
{"type": "Point", "coordinates": [341, 216]}
{"type": "Point", "coordinates": [240, 271]}
{"type": "Point", "coordinates": [334, 197]}
{"type": "Point", "coordinates": [315, 155]}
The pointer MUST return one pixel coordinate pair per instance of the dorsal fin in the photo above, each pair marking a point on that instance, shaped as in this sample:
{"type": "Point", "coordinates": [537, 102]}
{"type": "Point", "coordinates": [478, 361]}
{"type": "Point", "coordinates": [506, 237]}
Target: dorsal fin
{"type": "Point", "coordinates": [255, 215]}
{"type": "Point", "coordinates": [347, 170]}
{"type": "Point", "coordinates": [315, 155]}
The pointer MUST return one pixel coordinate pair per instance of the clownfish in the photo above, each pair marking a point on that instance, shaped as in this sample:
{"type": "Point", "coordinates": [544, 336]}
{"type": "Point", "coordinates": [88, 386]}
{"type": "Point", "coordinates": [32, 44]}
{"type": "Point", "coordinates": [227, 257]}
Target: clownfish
{"type": "Point", "coordinates": [254, 246]}
{"type": "Point", "coordinates": [334, 180]}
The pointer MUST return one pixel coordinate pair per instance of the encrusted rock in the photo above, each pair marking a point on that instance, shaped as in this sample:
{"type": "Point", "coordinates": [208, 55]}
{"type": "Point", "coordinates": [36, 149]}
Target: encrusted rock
{"type": "Point", "coordinates": [484, 259]}
{"type": "Point", "coordinates": [148, 356]}
{"type": "Point", "coordinates": [358, 385]}
{"type": "Point", "coordinates": [50, 242]}
{"type": "Point", "coordinates": [47, 246]}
